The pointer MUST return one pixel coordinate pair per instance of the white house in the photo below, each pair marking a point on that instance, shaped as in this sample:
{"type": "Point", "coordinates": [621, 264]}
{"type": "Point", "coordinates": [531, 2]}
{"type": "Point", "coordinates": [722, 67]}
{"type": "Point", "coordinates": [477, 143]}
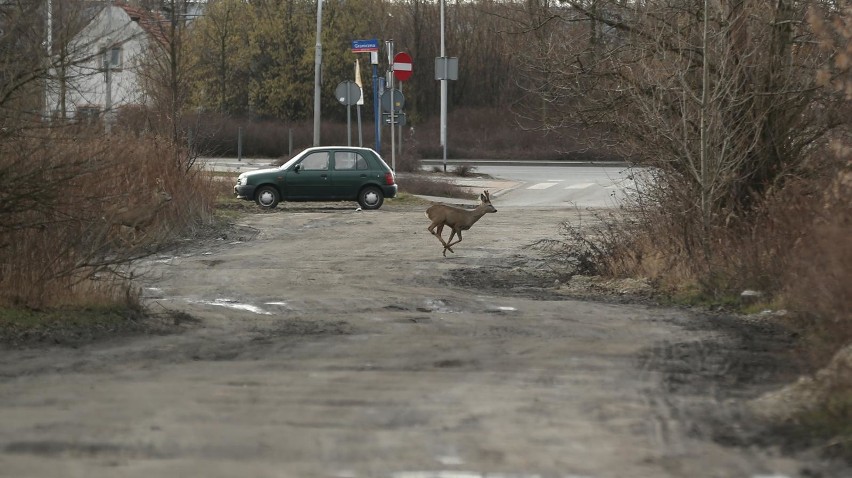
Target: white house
{"type": "Point", "coordinates": [103, 70]}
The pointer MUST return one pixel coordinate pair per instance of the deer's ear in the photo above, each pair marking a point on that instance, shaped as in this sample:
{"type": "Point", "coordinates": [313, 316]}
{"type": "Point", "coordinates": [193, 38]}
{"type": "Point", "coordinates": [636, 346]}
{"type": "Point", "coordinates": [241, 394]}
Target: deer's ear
{"type": "Point", "coordinates": [483, 198]}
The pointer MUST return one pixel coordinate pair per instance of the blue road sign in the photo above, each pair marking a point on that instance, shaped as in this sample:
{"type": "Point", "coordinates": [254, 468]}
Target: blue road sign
{"type": "Point", "coordinates": [364, 46]}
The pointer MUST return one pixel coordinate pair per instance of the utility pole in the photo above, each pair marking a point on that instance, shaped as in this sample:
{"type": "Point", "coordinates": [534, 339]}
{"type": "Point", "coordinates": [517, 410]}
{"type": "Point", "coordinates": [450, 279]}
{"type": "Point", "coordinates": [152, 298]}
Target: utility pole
{"type": "Point", "coordinates": [108, 100]}
{"type": "Point", "coordinates": [48, 46]}
{"type": "Point", "coordinates": [317, 75]}
{"type": "Point", "coordinates": [443, 93]}
{"type": "Point", "coordinates": [377, 108]}
{"type": "Point", "coordinates": [389, 45]}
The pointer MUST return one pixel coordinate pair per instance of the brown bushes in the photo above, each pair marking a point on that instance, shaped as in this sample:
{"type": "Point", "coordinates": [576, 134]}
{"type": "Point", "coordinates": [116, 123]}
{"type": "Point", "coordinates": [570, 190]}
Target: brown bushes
{"type": "Point", "coordinates": [817, 282]}
{"type": "Point", "coordinates": [63, 240]}
{"type": "Point", "coordinates": [793, 247]}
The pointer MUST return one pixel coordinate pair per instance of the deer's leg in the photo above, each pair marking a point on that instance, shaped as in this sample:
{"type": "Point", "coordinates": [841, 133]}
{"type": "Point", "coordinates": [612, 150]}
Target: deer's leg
{"type": "Point", "coordinates": [432, 227]}
{"type": "Point", "coordinates": [450, 243]}
{"type": "Point", "coordinates": [437, 233]}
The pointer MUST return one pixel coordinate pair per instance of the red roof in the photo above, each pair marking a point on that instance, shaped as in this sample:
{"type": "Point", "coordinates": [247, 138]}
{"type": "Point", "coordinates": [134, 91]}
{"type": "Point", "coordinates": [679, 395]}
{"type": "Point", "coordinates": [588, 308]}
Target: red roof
{"type": "Point", "coordinates": [153, 23]}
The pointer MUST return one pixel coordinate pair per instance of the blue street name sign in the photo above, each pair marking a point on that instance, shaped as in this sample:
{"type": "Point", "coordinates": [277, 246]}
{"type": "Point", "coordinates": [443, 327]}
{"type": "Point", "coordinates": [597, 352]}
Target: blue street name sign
{"type": "Point", "coordinates": [364, 46]}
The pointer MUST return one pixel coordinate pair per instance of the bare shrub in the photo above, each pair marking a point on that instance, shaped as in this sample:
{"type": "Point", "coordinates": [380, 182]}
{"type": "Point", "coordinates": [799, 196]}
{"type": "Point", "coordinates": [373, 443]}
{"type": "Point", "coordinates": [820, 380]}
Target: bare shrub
{"type": "Point", "coordinates": [407, 162]}
{"type": "Point", "coordinates": [218, 135]}
{"type": "Point", "coordinates": [592, 245]}
{"type": "Point", "coordinates": [63, 239]}
{"type": "Point", "coordinates": [464, 170]}
{"type": "Point", "coordinates": [425, 186]}
{"type": "Point", "coordinates": [494, 133]}
{"type": "Point", "coordinates": [815, 283]}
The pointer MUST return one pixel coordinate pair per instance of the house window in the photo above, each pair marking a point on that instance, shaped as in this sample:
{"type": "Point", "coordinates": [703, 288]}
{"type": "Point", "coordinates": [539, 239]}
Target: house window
{"type": "Point", "coordinates": [88, 114]}
{"type": "Point", "coordinates": [113, 57]}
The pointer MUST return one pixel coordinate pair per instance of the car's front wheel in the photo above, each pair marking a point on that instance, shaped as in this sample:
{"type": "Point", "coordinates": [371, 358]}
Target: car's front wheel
{"type": "Point", "coordinates": [371, 197]}
{"type": "Point", "coordinates": [267, 197]}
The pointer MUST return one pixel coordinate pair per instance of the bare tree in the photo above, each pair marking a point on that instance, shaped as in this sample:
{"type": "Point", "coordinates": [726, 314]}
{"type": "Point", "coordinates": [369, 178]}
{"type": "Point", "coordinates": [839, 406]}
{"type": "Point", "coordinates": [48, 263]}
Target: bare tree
{"type": "Point", "coordinates": [166, 72]}
{"type": "Point", "coordinates": [24, 64]}
{"type": "Point", "coordinates": [63, 185]}
{"type": "Point", "coordinates": [720, 96]}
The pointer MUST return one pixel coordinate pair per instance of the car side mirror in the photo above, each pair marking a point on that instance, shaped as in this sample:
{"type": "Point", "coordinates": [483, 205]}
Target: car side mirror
{"type": "Point", "coordinates": [298, 168]}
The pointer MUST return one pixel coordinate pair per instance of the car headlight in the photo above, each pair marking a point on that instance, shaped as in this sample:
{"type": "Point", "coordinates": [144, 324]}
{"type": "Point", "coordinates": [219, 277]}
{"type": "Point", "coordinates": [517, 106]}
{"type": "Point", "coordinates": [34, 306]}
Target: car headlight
{"type": "Point", "coordinates": [242, 180]}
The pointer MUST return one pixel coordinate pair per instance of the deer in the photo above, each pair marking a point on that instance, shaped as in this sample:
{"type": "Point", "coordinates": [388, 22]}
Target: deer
{"type": "Point", "coordinates": [137, 218]}
{"type": "Point", "coordinates": [457, 219]}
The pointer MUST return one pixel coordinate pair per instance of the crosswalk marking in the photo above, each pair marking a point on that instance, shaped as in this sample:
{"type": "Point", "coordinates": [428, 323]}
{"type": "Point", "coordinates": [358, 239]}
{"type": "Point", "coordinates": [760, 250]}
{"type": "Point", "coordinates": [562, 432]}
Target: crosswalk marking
{"type": "Point", "coordinates": [581, 186]}
{"type": "Point", "coordinates": [542, 185]}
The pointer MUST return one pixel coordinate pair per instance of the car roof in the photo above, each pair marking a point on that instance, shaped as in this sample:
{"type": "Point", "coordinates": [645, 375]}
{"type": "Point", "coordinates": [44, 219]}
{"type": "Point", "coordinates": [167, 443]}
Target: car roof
{"type": "Point", "coordinates": [342, 148]}
{"type": "Point", "coordinates": [353, 148]}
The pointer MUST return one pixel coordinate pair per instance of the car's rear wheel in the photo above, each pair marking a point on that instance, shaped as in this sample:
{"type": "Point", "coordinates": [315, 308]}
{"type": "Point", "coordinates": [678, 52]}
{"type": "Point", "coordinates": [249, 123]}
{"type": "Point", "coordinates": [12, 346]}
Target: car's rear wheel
{"type": "Point", "coordinates": [267, 197]}
{"type": "Point", "coordinates": [371, 197]}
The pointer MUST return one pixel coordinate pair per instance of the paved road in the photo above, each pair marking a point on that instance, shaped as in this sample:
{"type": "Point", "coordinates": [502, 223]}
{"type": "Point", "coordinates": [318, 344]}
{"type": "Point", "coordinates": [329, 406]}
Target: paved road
{"type": "Point", "coordinates": [521, 184]}
{"type": "Point", "coordinates": [555, 186]}
{"type": "Point", "coordinates": [235, 165]}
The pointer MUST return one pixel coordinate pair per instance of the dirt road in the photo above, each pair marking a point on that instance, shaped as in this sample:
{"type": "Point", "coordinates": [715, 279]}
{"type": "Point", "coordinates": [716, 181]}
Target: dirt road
{"type": "Point", "coordinates": [324, 341]}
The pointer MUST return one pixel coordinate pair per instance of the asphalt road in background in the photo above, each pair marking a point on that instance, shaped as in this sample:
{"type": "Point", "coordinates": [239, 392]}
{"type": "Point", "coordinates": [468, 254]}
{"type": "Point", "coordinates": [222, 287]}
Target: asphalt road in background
{"type": "Point", "coordinates": [531, 183]}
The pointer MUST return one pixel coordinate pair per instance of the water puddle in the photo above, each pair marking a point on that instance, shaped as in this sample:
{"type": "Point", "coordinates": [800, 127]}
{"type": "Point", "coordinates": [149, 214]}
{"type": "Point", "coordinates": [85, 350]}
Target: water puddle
{"type": "Point", "coordinates": [450, 460]}
{"type": "Point", "coordinates": [501, 309]}
{"type": "Point", "coordinates": [465, 474]}
{"type": "Point", "coordinates": [153, 293]}
{"type": "Point", "coordinates": [435, 305]}
{"type": "Point", "coordinates": [279, 303]}
{"type": "Point", "coordinates": [233, 304]}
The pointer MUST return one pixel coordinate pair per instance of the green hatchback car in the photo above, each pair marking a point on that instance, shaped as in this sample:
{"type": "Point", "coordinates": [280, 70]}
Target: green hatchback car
{"type": "Point", "coordinates": [325, 173]}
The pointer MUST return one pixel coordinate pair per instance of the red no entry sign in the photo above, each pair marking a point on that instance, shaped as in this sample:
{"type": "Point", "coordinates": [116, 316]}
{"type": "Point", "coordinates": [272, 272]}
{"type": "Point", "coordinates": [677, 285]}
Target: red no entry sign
{"type": "Point", "coordinates": [402, 66]}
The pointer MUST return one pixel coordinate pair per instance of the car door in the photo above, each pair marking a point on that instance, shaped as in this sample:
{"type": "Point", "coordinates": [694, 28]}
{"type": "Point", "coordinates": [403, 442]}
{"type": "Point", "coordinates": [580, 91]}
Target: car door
{"type": "Point", "coordinates": [310, 178]}
{"type": "Point", "coordinates": [350, 173]}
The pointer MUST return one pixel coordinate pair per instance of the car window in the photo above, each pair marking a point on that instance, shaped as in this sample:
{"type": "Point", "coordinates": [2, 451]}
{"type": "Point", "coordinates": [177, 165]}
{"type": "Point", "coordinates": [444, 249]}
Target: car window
{"type": "Point", "coordinates": [349, 160]}
{"type": "Point", "coordinates": [315, 161]}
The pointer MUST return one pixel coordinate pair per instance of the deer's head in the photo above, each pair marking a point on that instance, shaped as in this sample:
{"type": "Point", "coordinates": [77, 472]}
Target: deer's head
{"type": "Point", "coordinates": [160, 195]}
{"type": "Point", "coordinates": [485, 201]}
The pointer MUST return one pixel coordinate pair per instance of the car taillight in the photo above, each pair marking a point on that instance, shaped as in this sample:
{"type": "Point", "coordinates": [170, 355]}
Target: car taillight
{"type": "Point", "coordinates": [389, 178]}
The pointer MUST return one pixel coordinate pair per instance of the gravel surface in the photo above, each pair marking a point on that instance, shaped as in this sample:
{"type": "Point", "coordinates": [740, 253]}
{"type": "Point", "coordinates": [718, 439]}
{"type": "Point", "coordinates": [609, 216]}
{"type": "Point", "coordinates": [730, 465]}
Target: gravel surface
{"type": "Point", "coordinates": [318, 340]}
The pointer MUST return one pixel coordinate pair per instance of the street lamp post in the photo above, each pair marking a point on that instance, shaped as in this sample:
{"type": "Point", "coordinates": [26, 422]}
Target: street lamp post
{"type": "Point", "coordinates": [317, 75]}
{"type": "Point", "coordinates": [108, 99]}
{"type": "Point", "coordinates": [443, 93]}
{"type": "Point", "coordinates": [48, 42]}
{"type": "Point", "coordinates": [389, 45]}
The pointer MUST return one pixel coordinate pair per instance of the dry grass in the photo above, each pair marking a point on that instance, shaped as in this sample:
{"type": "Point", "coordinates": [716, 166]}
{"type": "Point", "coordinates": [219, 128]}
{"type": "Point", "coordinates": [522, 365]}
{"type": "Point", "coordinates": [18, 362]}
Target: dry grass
{"type": "Point", "coordinates": [63, 241]}
{"type": "Point", "coordinates": [816, 282]}
{"type": "Point", "coordinates": [793, 247]}
{"type": "Point", "coordinates": [430, 186]}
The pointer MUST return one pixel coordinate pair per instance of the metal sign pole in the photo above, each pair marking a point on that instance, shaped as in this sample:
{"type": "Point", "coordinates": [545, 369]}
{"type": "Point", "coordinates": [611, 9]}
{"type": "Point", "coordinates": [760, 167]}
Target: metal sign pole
{"type": "Point", "coordinates": [443, 94]}
{"type": "Point", "coordinates": [358, 105]}
{"type": "Point", "coordinates": [377, 116]}
{"type": "Point", "coordinates": [347, 92]}
{"type": "Point", "coordinates": [393, 136]}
